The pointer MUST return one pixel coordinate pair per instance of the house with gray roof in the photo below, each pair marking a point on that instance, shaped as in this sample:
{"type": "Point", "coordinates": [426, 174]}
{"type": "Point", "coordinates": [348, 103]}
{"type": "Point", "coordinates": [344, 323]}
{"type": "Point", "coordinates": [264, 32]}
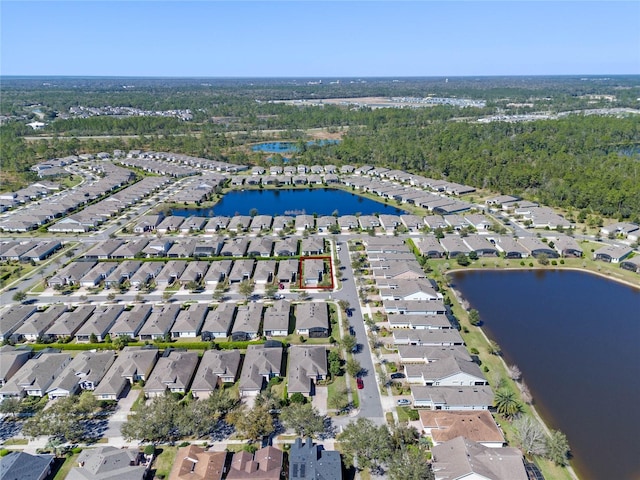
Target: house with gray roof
{"type": "Point", "coordinates": [218, 272]}
{"type": "Point", "coordinates": [431, 353]}
{"type": "Point", "coordinates": [415, 307]}
{"type": "Point", "coordinates": [260, 247]}
{"type": "Point", "coordinates": [147, 223]}
{"type": "Point", "coordinates": [37, 324]}
{"type": "Point", "coordinates": [399, 289]}
{"type": "Point", "coordinates": [280, 222]}
{"type": "Point", "coordinates": [312, 319]}
{"type": "Point", "coordinates": [41, 250]}
{"type": "Point", "coordinates": [452, 398]}
{"type": "Point", "coordinates": [313, 272]}
{"type": "Point", "coordinates": [145, 274]}
{"type": "Point", "coordinates": [194, 272]}
{"type": "Point", "coordinates": [429, 246]}
{"type": "Point", "coordinates": [173, 372]}
{"type": "Point", "coordinates": [288, 271]}
{"type": "Point", "coordinates": [157, 247]}
{"type": "Point", "coordinates": [83, 373]}
{"type": "Point", "coordinates": [104, 249]}
{"type": "Point", "coordinates": [447, 372]}
{"type": "Point", "coordinates": [159, 323]}
{"type": "Point", "coordinates": [183, 249]}
{"type": "Point", "coordinates": [419, 322]}
{"type": "Point", "coordinates": [67, 324]}
{"type": "Point", "coordinates": [235, 247]}
{"type": "Point", "coordinates": [170, 273]}
{"type": "Point", "coordinates": [208, 247]}
{"type": "Point", "coordinates": [109, 463]}
{"type": "Point", "coordinates": [462, 458]}
{"type": "Point", "coordinates": [216, 223]}
{"type": "Point", "coordinates": [261, 363]}
{"type": "Point", "coordinates": [286, 247]}
{"type": "Point", "coordinates": [631, 263]}
{"type": "Point", "coordinates": [97, 274]}
{"type": "Point", "coordinates": [130, 249]}
{"type": "Point", "coordinates": [129, 323]}
{"type": "Point", "coordinates": [12, 318]}
{"type": "Point", "coordinates": [566, 246]}
{"type": "Point", "coordinates": [454, 245]}
{"type": "Point", "coordinates": [216, 367]}
{"type": "Point", "coordinates": [11, 360]}
{"type": "Point", "coordinates": [307, 460]}
{"type": "Point", "coordinates": [277, 318]}
{"type": "Point", "coordinates": [537, 247]}
{"type": "Point", "coordinates": [99, 323]}
{"type": "Point", "coordinates": [435, 337]}
{"type": "Point", "coordinates": [307, 365]}
{"type": "Point", "coordinates": [132, 365]}
{"type": "Point", "coordinates": [326, 222]}
{"type": "Point", "coordinates": [36, 375]}
{"type": "Point", "coordinates": [239, 223]}
{"type": "Point", "coordinates": [348, 222]}
{"type": "Point", "coordinates": [612, 253]}
{"type": "Point", "coordinates": [261, 222]}
{"type": "Point", "coordinates": [193, 224]}
{"type": "Point", "coordinates": [189, 321]}
{"type": "Point", "coordinates": [123, 272]}
{"type": "Point", "coordinates": [265, 272]}
{"type": "Point", "coordinates": [217, 323]}
{"type": "Point", "coordinates": [247, 323]}
{"type": "Point", "coordinates": [312, 246]}
{"type": "Point", "coordinates": [241, 270]}
{"type": "Point", "coordinates": [397, 269]}
{"type": "Point", "coordinates": [510, 247]}
{"type": "Point", "coordinates": [70, 274]}
{"type": "Point", "coordinates": [170, 224]}
{"type": "Point", "coordinates": [18, 465]}
{"type": "Point", "coordinates": [413, 222]}
{"type": "Point", "coordinates": [304, 222]}
{"type": "Point", "coordinates": [481, 245]}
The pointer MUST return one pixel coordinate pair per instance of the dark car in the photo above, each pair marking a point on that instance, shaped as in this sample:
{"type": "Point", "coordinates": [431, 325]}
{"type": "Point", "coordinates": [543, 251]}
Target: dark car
{"type": "Point", "coordinates": [397, 375]}
{"type": "Point", "coordinates": [349, 312]}
{"type": "Point", "coordinates": [360, 383]}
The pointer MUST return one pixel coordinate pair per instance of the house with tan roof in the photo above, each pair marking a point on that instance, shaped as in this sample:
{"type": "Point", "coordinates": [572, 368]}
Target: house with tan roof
{"type": "Point", "coordinates": [477, 426]}
{"type": "Point", "coordinates": [196, 463]}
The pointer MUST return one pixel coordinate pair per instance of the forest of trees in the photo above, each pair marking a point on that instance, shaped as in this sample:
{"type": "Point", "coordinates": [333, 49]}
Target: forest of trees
{"type": "Point", "coordinates": [587, 163]}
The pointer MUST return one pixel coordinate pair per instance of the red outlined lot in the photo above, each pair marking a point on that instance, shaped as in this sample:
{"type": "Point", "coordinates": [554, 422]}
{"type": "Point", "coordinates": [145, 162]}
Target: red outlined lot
{"type": "Point", "coordinates": [329, 273]}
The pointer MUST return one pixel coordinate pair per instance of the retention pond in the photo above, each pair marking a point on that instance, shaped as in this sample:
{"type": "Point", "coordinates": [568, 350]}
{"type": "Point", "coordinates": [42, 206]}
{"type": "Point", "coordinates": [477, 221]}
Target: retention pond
{"type": "Point", "coordinates": [575, 337]}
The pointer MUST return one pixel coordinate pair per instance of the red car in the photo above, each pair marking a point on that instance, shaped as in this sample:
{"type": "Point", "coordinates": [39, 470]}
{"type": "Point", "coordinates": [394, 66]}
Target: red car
{"type": "Point", "coordinates": [360, 383]}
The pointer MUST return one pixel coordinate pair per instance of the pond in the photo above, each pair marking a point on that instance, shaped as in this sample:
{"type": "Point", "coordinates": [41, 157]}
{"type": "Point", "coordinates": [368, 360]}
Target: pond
{"type": "Point", "coordinates": [575, 337]}
{"type": "Point", "coordinates": [288, 147]}
{"type": "Point", "coordinates": [322, 201]}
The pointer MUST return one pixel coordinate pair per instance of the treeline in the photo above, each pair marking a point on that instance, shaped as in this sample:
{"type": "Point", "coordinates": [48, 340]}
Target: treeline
{"type": "Point", "coordinates": [111, 125]}
{"type": "Point", "coordinates": [574, 162]}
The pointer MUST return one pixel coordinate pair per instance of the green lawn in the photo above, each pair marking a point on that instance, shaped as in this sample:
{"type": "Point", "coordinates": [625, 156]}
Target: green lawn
{"type": "Point", "coordinates": [164, 461]}
{"type": "Point", "coordinates": [66, 467]}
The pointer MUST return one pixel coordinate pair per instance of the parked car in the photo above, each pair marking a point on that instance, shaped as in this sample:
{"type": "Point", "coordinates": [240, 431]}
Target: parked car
{"type": "Point", "coordinates": [397, 375]}
{"type": "Point", "coordinates": [360, 383]}
{"type": "Point", "coordinates": [404, 401]}
{"type": "Point", "coordinates": [349, 312]}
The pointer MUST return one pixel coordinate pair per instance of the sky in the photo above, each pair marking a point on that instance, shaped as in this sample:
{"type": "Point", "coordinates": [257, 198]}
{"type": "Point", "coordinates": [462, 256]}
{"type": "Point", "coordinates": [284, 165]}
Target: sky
{"type": "Point", "coordinates": [319, 39]}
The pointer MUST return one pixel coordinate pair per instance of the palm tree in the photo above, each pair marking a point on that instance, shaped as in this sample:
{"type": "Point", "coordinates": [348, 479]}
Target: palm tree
{"type": "Point", "coordinates": [507, 404]}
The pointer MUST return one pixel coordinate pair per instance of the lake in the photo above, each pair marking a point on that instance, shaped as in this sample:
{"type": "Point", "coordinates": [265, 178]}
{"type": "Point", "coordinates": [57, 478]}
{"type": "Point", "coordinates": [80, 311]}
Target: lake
{"type": "Point", "coordinates": [288, 147]}
{"type": "Point", "coordinates": [322, 201]}
{"type": "Point", "coordinates": [575, 338]}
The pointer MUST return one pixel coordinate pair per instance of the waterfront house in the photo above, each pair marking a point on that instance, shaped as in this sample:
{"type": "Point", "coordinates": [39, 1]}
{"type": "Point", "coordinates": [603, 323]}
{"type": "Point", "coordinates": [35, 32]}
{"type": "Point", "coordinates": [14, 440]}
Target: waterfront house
{"type": "Point", "coordinates": [173, 372]}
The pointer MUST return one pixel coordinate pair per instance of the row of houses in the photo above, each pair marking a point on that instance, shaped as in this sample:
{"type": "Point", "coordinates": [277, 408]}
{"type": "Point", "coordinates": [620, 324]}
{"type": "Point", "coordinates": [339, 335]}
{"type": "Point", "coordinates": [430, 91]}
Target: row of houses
{"type": "Point", "coordinates": [161, 158]}
{"type": "Point", "coordinates": [120, 249]}
{"type": "Point", "coordinates": [161, 322]}
{"type": "Point", "coordinates": [32, 192]}
{"type": "Point", "coordinates": [28, 250]}
{"type": "Point", "coordinates": [193, 462]}
{"type": "Point", "coordinates": [39, 212]}
{"type": "Point", "coordinates": [107, 374]}
{"type": "Point", "coordinates": [137, 274]}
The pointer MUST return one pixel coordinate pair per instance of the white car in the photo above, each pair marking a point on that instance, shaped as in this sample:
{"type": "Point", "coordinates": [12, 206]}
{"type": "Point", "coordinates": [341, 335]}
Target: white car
{"type": "Point", "coordinates": [404, 401]}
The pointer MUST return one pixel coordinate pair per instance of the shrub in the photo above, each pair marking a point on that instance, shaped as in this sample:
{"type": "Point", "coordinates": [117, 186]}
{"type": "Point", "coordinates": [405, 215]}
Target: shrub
{"type": "Point", "coordinates": [4, 452]}
{"type": "Point", "coordinates": [553, 262]}
{"type": "Point", "coordinates": [76, 450]}
{"type": "Point", "coordinates": [183, 444]}
{"type": "Point", "coordinates": [149, 450]}
{"type": "Point", "coordinates": [474, 351]}
{"type": "Point", "coordinates": [485, 369]}
{"type": "Point", "coordinates": [561, 261]}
